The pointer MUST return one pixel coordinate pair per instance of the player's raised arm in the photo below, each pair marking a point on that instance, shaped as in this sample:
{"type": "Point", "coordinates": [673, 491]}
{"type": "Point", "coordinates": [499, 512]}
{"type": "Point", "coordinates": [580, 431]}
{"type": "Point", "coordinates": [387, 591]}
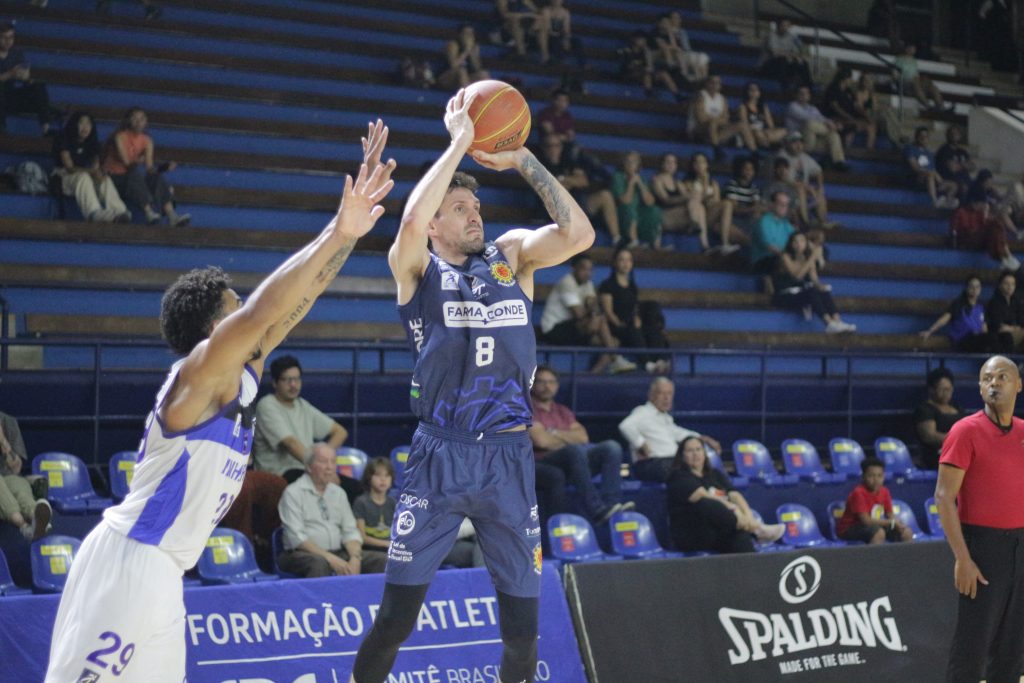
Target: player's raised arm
{"type": "Point", "coordinates": [571, 232]}
{"type": "Point", "coordinates": [408, 255]}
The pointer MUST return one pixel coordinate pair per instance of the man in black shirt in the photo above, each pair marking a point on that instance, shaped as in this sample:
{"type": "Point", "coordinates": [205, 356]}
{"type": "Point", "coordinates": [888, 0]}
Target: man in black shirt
{"type": "Point", "coordinates": [19, 93]}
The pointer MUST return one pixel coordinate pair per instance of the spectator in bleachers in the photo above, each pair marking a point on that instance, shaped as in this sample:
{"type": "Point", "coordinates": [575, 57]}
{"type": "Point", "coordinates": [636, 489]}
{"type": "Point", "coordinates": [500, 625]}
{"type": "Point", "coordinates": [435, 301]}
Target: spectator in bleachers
{"type": "Point", "coordinates": [841, 107]}
{"type": "Point", "coordinates": [560, 441]}
{"type": "Point", "coordinates": [320, 533]}
{"type": "Point", "coordinates": [572, 317]}
{"type": "Point", "coordinates": [77, 152]}
{"type": "Point", "coordinates": [653, 435]}
{"type": "Point", "coordinates": [619, 297]}
{"type": "Point", "coordinates": [934, 417]}
{"type": "Point", "coordinates": [779, 181]}
{"type": "Point", "coordinates": [704, 197]}
{"type": "Point", "coordinates": [755, 115]}
{"type": "Point", "coordinates": [582, 176]}
{"type": "Point", "coordinates": [463, 64]}
{"type": "Point", "coordinates": [556, 119]}
{"type": "Point", "coordinates": [809, 179]}
{"type": "Point", "coordinates": [19, 92]}
{"type": "Point", "coordinates": [639, 214]}
{"type": "Point", "coordinates": [803, 117]}
{"type": "Point", "coordinates": [705, 510]}
{"type": "Point", "coordinates": [709, 120]}
{"type": "Point", "coordinates": [1013, 202]}
{"type": "Point", "coordinates": [783, 58]}
{"type": "Point", "coordinates": [1001, 209]}
{"type": "Point", "coordinates": [868, 515]}
{"type": "Point", "coordinates": [129, 160]}
{"type": "Point", "coordinates": [965, 316]}
{"type": "Point", "coordinates": [1004, 315]}
{"type": "Point", "coordinates": [153, 10]}
{"type": "Point", "coordinates": [374, 512]}
{"type": "Point", "coordinates": [741, 205]}
{"type": "Point", "coordinates": [769, 238]}
{"type": "Point", "coordinates": [974, 227]}
{"type": "Point", "coordinates": [637, 65]}
{"type": "Point", "coordinates": [671, 195]}
{"type": "Point", "coordinates": [870, 107]}
{"type": "Point", "coordinates": [796, 285]}
{"type": "Point", "coordinates": [693, 65]}
{"type": "Point", "coordinates": [555, 38]}
{"type": "Point", "coordinates": [416, 73]}
{"type": "Point", "coordinates": [287, 425]}
{"type": "Point", "coordinates": [914, 82]}
{"type": "Point", "coordinates": [17, 505]}
{"type": "Point", "coordinates": [953, 161]}
{"type": "Point", "coordinates": [518, 19]}
{"type": "Point", "coordinates": [922, 165]}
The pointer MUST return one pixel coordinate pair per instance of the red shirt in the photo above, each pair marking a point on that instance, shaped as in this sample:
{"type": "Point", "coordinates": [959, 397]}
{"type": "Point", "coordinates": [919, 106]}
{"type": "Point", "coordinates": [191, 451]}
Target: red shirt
{"type": "Point", "coordinates": [993, 465]}
{"type": "Point", "coordinates": [560, 123]}
{"type": "Point", "coordinates": [860, 501]}
{"type": "Point", "coordinates": [559, 417]}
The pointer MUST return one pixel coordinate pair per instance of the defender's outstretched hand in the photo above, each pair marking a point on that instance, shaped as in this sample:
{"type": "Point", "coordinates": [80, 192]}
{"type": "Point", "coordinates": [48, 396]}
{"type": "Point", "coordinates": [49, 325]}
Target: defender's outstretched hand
{"type": "Point", "coordinates": [360, 203]}
{"type": "Point", "coordinates": [373, 144]}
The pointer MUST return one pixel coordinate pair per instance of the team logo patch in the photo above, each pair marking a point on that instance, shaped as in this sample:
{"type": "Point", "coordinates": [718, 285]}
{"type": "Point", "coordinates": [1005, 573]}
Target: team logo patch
{"type": "Point", "coordinates": [405, 523]}
{"type": "Point", "coordinates": [502, 273]}
{"type": "Point", "coordinates": [538, 559]}
{"type": "Point", "coordinates": [449, 280]}
{"type": "Point", "coordinates": [88, 676]}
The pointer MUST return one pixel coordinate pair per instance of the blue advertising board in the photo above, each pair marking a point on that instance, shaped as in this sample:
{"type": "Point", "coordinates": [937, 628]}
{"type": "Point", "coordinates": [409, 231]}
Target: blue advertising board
{"type": "Point", "coordinates": [308, 631]}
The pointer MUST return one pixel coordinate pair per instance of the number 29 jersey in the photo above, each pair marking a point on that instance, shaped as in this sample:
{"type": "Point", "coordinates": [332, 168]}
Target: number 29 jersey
{"type": "Point", "coordinates": [471, 332]}
{"type": "Point", "coordinates": [185, 482]}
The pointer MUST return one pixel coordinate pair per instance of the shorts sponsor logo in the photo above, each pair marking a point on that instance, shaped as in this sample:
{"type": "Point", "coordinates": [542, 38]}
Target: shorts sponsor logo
{"type": "Point", "coordinates": [538, 559]}
{"type": "Point", "coordinates": [509, 313]}
{"type": "Point", "coordinates": [534, 531]}
{"type": "Point", "coordinates": [502, 273]}
{"type": "Point", "coordinates": [411, 501]}
{"type": "Point", "coordinates": [398, 553]}
{"type": "Point", "coordinates": [534, 515]}
{"type": "Point", "coordinates": [405, 523]}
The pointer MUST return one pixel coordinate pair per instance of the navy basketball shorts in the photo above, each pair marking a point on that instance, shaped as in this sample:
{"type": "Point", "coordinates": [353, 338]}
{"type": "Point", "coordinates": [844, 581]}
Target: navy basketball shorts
{"type": "Point", "coordinates": [451, 475]}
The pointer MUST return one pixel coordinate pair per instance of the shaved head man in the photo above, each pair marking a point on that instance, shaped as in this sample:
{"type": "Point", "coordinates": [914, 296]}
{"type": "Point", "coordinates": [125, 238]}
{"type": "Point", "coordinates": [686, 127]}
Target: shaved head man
{"type": "Point", "coordinates": [981, 477]}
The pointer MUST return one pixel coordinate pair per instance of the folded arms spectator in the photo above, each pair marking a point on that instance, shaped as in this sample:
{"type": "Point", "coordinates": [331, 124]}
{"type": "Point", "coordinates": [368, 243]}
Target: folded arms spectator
{"type": "Point", "coordinates": [462, 61]}
{"type": "Point", "coordinates": [639, 214]}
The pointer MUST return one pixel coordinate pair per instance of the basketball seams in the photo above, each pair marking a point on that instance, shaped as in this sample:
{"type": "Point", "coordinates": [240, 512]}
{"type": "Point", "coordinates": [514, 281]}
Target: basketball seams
{"type": "Point", "coordinates": [511, 124]}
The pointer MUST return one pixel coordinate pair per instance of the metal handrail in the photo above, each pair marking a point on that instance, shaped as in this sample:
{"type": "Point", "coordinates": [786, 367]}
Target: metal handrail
{"type": "Point", "coordinates": [684, 364]}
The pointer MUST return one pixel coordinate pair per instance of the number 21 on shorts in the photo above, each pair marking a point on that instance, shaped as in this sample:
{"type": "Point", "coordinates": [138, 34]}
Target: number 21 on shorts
{"type": "Point", "coordinates": [484, 351]}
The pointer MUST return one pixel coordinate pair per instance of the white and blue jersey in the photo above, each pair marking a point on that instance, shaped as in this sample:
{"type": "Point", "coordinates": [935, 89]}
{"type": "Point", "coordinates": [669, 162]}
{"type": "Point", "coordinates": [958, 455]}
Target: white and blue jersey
{"type": "Point", "coordinates": [186, 481]}
{"type": "Point", "coordinates": [473, 341]}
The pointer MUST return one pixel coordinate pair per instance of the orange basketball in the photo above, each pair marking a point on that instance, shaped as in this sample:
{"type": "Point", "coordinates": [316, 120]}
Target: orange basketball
{"type": "Point", "coordinates": [501, 117]}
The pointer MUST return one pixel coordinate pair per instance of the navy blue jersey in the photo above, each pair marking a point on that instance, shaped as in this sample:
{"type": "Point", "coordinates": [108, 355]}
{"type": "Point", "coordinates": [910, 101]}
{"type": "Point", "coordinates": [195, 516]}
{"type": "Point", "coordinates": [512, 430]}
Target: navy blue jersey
{"type": "Point", "coordinates": [472, 338]}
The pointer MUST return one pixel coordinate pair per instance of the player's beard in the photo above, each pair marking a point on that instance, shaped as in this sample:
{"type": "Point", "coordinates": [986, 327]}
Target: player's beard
{"type": "Point", "coordinates": [472, 245]}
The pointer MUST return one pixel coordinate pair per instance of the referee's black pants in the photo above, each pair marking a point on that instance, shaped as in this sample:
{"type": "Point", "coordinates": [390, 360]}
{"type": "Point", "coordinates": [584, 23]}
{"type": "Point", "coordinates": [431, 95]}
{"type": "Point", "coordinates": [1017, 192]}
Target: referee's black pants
{"type": "Point", "coordinates": [989, 638]}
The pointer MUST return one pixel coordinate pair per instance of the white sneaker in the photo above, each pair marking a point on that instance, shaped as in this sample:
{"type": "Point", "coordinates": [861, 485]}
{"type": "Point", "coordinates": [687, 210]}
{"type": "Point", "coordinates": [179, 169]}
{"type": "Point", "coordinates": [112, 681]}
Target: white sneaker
{"type": "Point", "coordinates": [1010, 263]}
{"type": "Point", "coordinates": [839, 327]}
{"type": "Point", "coordinates": [769, 533]}
{"type": "Point", "coordinates": [730, 249]}
{"type": "Point", "coordinates": [620, 364]}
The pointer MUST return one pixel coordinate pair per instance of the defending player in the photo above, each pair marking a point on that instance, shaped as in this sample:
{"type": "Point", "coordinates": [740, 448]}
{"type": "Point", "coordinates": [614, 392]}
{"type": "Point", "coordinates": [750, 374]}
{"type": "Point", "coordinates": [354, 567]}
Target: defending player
{"type": "Point", "coordinates": [466, 307]}
{"type": "Point", "coordinates": [122, 611]}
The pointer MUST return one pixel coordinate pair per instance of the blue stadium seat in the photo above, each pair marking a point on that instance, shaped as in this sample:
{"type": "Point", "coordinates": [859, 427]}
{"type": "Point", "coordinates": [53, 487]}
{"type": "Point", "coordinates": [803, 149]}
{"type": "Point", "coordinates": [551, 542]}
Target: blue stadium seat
{"type": "Point", "coordinates": [738, 481]}
{"type": "Point", "coordinates": [228, 558]}
{"type": "Point", "coordinates": [276, 548]}
{"type": "Point", "coordinates": [572, 540]}
{"type": "Point", "coordinates": [633, 538]}
{"type": "Point", "coordinates": [122, 468]}
{"type": "Point", "coordinates": [896, 457]}
{"type": "Point", "coordinates": [801, 458]}
{"type": "Point", "coordinates": [846, 455]}
{"type": "Point", "coordinates": [835, 512]}
{"type": "Point", "coordinates": [70, 490]}
{"type": "Point", "coordinates": [753, 461]}
{"type": "Point", "coordinates": [931, 513]}
{"type": "Point", "coordinates": [7, 585]}
{"type": "Point", "coordinates": [905, 514]}
{"type": "Point", "coordinates": [801, 527]}
{"type": "Point", "coordinates": [352, 462]}
{"type": "Point", "coordinates": [399, 455]}
{"type": "Point", "coordinates": [51, 561]}
{"type": "Point", "coordinates": [766, 546]}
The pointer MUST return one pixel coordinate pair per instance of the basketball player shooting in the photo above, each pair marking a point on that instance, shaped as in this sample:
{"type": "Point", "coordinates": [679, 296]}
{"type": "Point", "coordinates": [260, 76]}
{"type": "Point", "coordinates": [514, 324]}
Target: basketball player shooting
{"type": "Point", "coordinates": [122, 612]}
{"type": "Point", "coordinates": [466, 307]}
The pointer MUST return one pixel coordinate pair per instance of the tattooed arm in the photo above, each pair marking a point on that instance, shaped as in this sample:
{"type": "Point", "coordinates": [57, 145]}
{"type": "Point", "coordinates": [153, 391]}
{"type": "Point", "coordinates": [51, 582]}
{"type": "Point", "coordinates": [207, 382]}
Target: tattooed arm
{"type": "Point", "coordinates": [571, 232]}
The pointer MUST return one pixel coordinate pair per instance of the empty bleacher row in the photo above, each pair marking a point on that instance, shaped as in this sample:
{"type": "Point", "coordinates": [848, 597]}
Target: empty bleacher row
{"type": "Point", "coordinates": [276, 125]}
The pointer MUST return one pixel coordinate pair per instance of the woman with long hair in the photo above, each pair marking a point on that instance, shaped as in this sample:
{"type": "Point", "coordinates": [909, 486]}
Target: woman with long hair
{"type": "Point", "coordinates": [77, 152]}
{"type": "Point", "coordinates": [965, 316]}
{"type": "Point", "coordinates": [755, 115]}
{"type": "Point", "coordinates": [797, 285]}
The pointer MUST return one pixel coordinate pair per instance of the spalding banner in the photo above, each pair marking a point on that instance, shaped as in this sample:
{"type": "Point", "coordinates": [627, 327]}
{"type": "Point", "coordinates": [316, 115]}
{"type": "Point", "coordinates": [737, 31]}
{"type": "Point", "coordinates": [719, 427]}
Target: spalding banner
{"type": "Point", "coordinates": [308, 631]}
{"type": "Point", "coordinates": [840, 614]}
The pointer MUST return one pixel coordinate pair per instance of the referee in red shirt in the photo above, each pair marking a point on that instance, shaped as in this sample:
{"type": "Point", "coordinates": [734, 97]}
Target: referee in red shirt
{"type": "Point", "coordinates": [980, 495]}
